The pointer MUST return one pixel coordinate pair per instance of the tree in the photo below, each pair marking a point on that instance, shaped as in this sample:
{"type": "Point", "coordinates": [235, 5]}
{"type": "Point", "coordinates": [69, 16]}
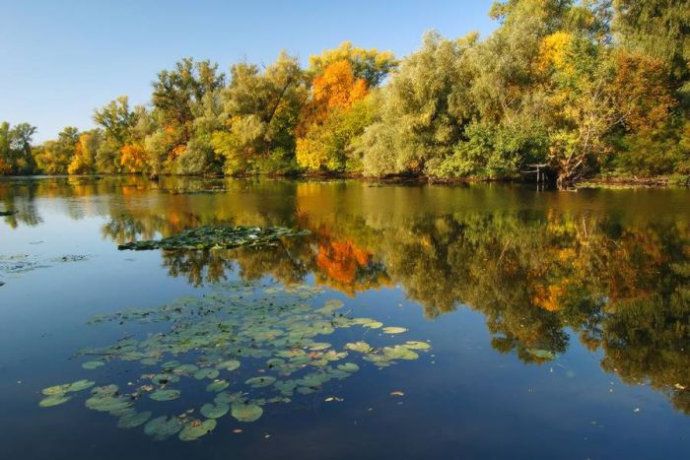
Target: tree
{"type": "Point", "coordinates": [260, 112]}
{"type": "Point", "coordinates": [659, 28]}
{"type": "Point", "coordinates": [15, 149]}
{"type": "Point", "coordinates": [423, 111]}
{"type": "Point", "coordinates": [84, 159]}
{"type": "Point", "coordinates": [54, 157]}
{"type": "Point", "coordinates": [370, 65]}
{"type": "Point", "coordinates": [330, 146]}
{"type": "Point", "coordinates": [117, 121]}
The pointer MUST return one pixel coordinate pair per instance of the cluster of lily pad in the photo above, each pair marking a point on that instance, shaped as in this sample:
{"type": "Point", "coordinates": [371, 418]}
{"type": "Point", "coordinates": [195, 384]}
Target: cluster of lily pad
{"type": "Point", "coordinates": [216, 237]}
{"type": "Point", "coordinates": [247, 346]}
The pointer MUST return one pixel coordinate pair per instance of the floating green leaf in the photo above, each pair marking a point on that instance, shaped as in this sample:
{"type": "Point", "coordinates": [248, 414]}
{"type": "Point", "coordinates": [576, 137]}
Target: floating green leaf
{"type": "Point", "coordinates": [229, 365]}
{"type": "Point", "coordinates": [360, 347]}
{"type": "Point", "coordinates": [80, 385]}
{"type": "Point", "coordinates": [246, 412]}
{"type": "Point", "coordinates": [54, 400]}
{"type": "Point", "coordinates": [261, 381]}
{"type": "Point", "coordinates": [195, 429]}
{"type": "Point", "coordinates": [218, 385]}
{"type": "Point", "coordinates": [90, 365]}
{"type": "Point", "coordinates": [415, 345]}
{"type": "Point", "coordinates": [216, 237]}
{"type": "Point", "coordinates": [206, 373]}
{"type": "Point", "coordinates": [348, 367]}
{"type": "Point", "coordinates": [133, 419]}
{"type": "Point", "coordinates": [394, 330]}
{"type": "Point", "coordinates": [161, 428]}
{"type": "Point", "coordinates": [214, 410]}
{"type": "Point", "coordinates": [115, 405]}
{"type": "Point", "coordinates": [165, 395]}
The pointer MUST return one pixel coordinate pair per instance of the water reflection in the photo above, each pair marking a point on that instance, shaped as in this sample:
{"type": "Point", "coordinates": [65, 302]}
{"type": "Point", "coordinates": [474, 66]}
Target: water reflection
{"type": "Point", "coordinates": [612, 267]}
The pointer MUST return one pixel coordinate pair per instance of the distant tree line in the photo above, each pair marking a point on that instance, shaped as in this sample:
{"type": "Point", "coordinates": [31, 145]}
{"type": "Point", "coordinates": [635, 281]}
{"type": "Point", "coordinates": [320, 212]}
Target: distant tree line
{"type": "Point", "coordinates": [583, 87]}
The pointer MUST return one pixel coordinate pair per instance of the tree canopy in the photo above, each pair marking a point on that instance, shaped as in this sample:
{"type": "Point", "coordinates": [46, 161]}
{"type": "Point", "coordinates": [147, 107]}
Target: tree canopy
{"type": "Point", "coordinates": [597, 87]}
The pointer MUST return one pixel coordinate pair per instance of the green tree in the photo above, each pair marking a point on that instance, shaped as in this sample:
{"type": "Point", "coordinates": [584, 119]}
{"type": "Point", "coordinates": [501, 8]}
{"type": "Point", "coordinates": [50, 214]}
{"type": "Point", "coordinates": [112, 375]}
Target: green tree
{"type": "Point", "coordinates": [260, 114]}
{"type": "Point", "coordinates": [15, 149]}
{"type": "Point", "coordinates": [54, 157]}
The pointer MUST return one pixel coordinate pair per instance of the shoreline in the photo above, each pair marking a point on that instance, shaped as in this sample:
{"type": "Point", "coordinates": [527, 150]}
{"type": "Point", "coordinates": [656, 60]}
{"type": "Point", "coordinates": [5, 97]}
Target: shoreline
{"type": "Point", "coordinates": [599, 182]}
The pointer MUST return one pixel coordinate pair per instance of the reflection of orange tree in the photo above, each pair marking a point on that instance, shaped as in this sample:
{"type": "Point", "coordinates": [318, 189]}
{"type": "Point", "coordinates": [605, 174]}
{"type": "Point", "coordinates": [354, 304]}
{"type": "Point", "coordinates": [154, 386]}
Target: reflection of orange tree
{"type": "Point", "coordinates": [345, 267]}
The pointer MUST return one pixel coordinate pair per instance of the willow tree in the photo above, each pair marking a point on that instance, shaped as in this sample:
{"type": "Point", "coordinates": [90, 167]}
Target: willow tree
{"type": "Point", "coordinates": [259, 117]}
{"type": "Point", "coordinates": [15, 149]}
{"type": "Point", "coordinates": [423, 110]}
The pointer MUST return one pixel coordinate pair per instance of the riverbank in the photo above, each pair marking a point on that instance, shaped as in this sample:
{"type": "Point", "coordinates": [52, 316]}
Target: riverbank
{"type": "Point", "coordinates": [602, 181]}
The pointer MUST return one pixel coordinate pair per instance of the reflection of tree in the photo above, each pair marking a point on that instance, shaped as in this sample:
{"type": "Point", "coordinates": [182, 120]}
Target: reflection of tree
{"type": "Point", "coordinates": [618, 282]}
{"type": "Point", "coordinates": [19, 197]}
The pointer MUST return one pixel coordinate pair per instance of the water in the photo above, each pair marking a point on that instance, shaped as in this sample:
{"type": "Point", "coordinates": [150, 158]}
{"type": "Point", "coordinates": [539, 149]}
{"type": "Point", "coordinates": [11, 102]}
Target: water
{"type": "Point", "coordinates": [559, 323]}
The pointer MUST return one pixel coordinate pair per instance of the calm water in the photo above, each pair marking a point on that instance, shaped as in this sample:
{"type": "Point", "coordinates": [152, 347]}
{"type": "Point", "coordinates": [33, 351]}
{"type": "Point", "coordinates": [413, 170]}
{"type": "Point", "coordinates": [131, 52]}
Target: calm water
{"type": "Point", "coordinates": [559, 323]}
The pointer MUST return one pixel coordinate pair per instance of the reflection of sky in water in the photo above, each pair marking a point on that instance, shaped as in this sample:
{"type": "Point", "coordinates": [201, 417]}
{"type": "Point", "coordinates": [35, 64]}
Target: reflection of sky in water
{"type": "Point", "coordinates": [468, 400]}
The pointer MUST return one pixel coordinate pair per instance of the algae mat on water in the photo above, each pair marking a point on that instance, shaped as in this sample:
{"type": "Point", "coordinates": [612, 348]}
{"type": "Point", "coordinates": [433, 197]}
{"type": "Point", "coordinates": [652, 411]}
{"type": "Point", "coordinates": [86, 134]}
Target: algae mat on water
{"type": "Point", "coordinates": [216, 237]}
{"type": "Point", "coordinates": [229, 354]}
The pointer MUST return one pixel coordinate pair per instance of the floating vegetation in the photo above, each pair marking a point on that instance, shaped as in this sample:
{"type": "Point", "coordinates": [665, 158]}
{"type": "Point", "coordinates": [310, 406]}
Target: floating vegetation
{"type": "Point", "coordinates": [196, 428]}
{"type": "Point", "coordinates": [216, 237]}
{"type": "Point", "coordinates": [260, 382]}
{"type": "Point", "coordinates": [165, 395]}
{"type": "Point", "coordinates": [394, 330]}
{"type": "Point", "coordinates": [19, 263]}
{"type": "Point", "coordinates": [246, 412]}
{"type": "Point", "coordinates": [247, 346]}
{"type": "Point", "coordinates": [91, 365]}
{"type": "Point", "coordinates": [71, 258]}
{"type": "Point", "coordinates": [58, 394]}
{"type": "Point", "coordinates": [218, 385]}
{"type": "Point", "coordinates": [214, 410]}
{"type": "Point", "coordinates": [52, 401]}
{"type": "Point", "coordinates": [7, 213]}
{"type": "Point", "coordinates": [133, 419]}
{"type": "Point", "coordinates": [22, 263]}
{"type": "Point", "coordinates": [163, 427]}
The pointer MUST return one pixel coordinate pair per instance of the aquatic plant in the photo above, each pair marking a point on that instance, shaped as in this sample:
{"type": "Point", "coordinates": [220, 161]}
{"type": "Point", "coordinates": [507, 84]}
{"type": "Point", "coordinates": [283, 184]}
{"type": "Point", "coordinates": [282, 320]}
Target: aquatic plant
{"type": "Point", "coordinates": [248, 346]}
{"type": "Point", "coordinates": [216, 237]}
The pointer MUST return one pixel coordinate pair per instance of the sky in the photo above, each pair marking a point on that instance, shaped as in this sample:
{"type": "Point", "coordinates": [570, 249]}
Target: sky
{"type": "Point", "coordinates": [59, 60]}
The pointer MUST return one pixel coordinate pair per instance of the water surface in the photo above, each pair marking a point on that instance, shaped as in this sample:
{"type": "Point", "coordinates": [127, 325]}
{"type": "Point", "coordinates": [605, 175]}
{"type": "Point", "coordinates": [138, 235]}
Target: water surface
{"type": "Point", "coordinates": [558, 323]}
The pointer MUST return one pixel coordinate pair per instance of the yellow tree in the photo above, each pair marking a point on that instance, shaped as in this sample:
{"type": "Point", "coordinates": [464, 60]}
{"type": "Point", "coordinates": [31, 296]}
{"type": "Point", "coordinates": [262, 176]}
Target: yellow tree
{"type": "Point", "coordinates": [333, 94]}
{"type": "Point", "coordinates": [83, 161]}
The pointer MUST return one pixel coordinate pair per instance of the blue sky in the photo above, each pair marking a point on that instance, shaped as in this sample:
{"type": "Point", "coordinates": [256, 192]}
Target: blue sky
{"type": "Point", "coordinates": [60, 59]}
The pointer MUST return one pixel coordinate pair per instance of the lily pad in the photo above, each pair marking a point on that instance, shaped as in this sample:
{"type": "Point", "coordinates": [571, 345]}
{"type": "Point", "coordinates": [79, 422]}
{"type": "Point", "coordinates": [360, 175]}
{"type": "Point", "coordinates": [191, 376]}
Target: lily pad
{"type": "Point", "coordinates": [416, 345]}
{"type": "Point", "coordinates": [163, 427]}
{"type": "Point", "coordinates": [360, 347]}
{"type": "Point", "coordinates": [165, 395]}
{"type": "Point", "coordinates": [246, 412]}
{"type": "Point", "coordinates": [54, 400]}
{"type": "Point", "coordinates": [261, 381]}
{"type": "Point", "coordinates": [348, 367]}
{"type": "Point", "coordinates": [133, 419]}
{"type": "Point", "coordinates": [105, 403]}
{"type": "Point", "coordinates": [91, 365]}
{"type": "Point", "coordinates": [206, 373]}
{"type": "Point", "coordinates": [55, 390]}
{"type": "Point", "coordinates": [195, 429]}
{"type": "Point", "coordinates": [394, 330]}
{"type": "Point", "coordinates": [229, 365]}
{"type": "Point", "coordinates": [214, 410]}
{"type": "Point", "coordinates": [218, 385]}
{"type": "Point", "coordinates": [216, 237]}
{"type": "Point", "coordinates": [80, 385]}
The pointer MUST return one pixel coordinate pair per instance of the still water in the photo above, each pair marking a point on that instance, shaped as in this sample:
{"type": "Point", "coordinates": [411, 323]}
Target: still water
{"type": "Point", "coordinates": [410, 322]}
